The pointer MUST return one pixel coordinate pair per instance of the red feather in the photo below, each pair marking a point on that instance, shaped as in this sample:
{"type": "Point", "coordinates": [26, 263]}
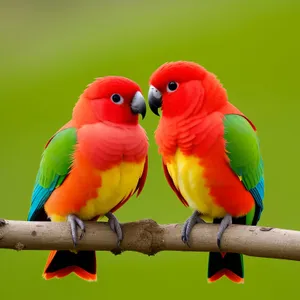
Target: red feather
{"type": "Point", "coordinates": [172, 185]}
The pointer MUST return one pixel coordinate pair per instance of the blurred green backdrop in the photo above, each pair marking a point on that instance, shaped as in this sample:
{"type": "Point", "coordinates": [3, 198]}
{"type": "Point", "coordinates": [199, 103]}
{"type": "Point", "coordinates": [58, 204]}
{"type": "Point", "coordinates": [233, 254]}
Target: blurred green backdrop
{"type": "Point", "coordinates": [50, 51]}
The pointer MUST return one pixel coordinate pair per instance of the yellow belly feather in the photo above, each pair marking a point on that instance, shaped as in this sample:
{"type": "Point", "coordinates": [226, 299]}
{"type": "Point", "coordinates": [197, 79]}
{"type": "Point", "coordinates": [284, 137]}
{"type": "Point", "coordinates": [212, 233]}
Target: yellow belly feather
{"type": "Point", "coordinates": [187, 175]}
{"type": "Point", "coordinates": [116, 184]}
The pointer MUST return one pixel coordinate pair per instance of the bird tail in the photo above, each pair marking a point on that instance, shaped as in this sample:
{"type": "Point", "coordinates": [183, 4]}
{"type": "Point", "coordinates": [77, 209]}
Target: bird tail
{"type": "Point", "coordinates": [62, 263]}
{"type": "Point", "coordinates": [225, 264]}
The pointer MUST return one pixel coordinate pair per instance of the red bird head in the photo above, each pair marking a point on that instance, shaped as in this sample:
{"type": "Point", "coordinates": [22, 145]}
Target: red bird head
{"type": "Point", "coordinates": [185, 88]}
{"type": "Point", "coordinates": [112, 99]}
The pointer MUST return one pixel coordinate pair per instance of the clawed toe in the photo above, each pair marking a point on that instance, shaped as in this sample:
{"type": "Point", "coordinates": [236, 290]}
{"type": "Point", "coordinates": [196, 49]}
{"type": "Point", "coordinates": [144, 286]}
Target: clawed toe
{"type": "Point", "coordinates": [116, 227]}
{"type": "Point", "coordinates": [188, 226]}
{"type": "Point", "coordinates": [76, 222]}
{"type": "Point", "coordinates": [226, 221]}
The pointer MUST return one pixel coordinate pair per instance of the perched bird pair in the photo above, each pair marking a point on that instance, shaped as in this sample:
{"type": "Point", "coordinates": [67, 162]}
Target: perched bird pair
{"type": "Point", "coordinates": [98, 160]}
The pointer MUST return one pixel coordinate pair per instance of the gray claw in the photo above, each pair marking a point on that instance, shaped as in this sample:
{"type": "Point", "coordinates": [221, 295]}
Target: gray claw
{"type": "Point", "coordinates": [115, 227]}
{"type": "Point", "coordinates": [226, 221]}
{"type": "Point", "coordinates": [188, 226]}
{"type": "Point", "coordinates": [75, 222]}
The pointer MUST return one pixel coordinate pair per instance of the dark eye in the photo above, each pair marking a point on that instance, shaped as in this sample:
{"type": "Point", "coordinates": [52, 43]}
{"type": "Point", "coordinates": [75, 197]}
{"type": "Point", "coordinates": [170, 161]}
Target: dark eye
{"type": "Point", "coordinates": [116, 98]}
{"type": "Point", "coordinates": [172, 86]}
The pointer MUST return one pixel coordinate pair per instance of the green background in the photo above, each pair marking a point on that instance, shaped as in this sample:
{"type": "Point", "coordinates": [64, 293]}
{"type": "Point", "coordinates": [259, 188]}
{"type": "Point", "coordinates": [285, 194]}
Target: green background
{"type": "Point", "coordinates": [50, 51]}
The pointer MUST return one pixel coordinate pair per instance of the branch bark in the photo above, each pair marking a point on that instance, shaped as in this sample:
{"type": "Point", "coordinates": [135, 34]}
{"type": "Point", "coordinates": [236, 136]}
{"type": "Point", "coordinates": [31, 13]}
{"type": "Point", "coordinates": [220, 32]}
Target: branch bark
{"type": "Point", "coordinates": [148, 237]}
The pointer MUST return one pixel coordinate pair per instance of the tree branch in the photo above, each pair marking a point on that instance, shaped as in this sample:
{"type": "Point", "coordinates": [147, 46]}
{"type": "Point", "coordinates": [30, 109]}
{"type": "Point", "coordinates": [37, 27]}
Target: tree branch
{"type": "Point", "coordinates": [148, 237]}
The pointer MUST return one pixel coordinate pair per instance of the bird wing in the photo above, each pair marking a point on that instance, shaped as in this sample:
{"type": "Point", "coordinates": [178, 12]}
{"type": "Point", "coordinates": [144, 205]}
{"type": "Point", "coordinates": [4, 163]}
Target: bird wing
{"type": "Point", "coordinates": [55, 165]}
{"type": "Point", "coordinates": [245, 159]}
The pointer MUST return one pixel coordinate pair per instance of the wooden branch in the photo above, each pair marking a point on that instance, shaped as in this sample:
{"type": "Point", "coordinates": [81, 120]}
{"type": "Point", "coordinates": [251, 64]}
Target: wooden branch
{"type": "Point", "coordinates": [148, 237]}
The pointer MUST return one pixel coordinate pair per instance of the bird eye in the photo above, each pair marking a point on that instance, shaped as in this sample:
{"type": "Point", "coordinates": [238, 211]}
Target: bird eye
{"type": "Point", "coordinates": [172, 86]}
{"type": "Point", "coordinates": [116, 98]}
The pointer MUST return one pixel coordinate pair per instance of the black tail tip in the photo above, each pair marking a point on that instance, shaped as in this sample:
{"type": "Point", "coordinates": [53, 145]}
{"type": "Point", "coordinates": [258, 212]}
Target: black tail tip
{"type": "Point", "coordinates": [229, 265]}
{"type": "Point", "coordinates": [62, 263]}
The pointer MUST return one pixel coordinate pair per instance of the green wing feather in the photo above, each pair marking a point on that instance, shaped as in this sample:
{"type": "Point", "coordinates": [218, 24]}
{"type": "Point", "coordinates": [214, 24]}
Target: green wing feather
{"type": "Point", "coordinates": [55, 165]}
{"type": "Point", "coordinates": [243, 150]}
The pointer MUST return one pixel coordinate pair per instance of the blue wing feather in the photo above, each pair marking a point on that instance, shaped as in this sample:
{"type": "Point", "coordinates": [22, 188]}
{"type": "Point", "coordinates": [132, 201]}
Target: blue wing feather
{"type": "Point", "coordinates": [39, 197]}
{"type": "Point", "coordinates": [258, 193]}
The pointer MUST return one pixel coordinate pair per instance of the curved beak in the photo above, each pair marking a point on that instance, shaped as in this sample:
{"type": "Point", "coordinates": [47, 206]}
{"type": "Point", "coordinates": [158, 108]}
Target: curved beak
{"type": "Point", "coordinates": [154, 99]}
{"type": "Point", "coordinates": [138, 104]}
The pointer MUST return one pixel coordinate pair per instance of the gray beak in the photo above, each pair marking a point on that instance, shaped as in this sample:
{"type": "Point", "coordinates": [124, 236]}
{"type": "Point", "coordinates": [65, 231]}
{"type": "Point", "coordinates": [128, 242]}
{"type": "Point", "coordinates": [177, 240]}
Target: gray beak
{"type": "Point", "coordinates": [154, 99]}
{"type": "Point", "coordinates": [138, 104]}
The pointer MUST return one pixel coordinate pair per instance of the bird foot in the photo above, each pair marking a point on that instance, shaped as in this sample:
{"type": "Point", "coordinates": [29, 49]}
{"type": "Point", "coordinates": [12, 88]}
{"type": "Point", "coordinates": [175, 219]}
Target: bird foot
{"type": "Point", "coordinates": [75, 222]}
{"type": "Point", "coordinates": [226, 221]}
{"type": "Point", "coordinates": [188, 226]}
{"type": "Point", "coordinates": [115, 227]}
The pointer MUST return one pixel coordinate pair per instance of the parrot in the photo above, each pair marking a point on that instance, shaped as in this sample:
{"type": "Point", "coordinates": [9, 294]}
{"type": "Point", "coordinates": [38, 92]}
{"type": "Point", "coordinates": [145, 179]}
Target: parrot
{"type": "Point", "coordinates": [211, 156]}
{"type": "Point", "coordinates": [91, 167]}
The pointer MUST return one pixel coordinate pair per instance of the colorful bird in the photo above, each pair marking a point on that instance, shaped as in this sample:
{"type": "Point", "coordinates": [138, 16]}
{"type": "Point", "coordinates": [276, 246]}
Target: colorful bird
{"type": "Point", "coordinates": [211, 155]}
{"type": "Point", "coordinates": [91, 167]}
